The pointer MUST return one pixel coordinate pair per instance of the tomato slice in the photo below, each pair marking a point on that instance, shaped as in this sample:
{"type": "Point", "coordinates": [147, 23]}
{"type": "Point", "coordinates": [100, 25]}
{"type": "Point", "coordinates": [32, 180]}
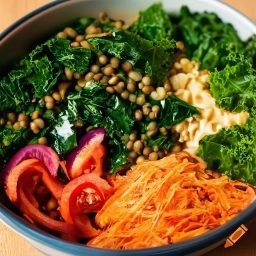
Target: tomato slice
{"type": "Point", "coordinates": [84, 194]}
{"type": "Point", "coordinates": [88, 160]}
{"type": "Point", "coordinates": [23, 172]}
{"type": "Point", "coordinates": [35, 214]}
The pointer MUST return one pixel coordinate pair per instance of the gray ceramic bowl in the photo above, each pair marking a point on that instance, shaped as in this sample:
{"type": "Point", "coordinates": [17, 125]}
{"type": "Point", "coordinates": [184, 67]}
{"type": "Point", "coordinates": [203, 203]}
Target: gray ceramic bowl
{"type": "Point", "coordinates": [41, 24]}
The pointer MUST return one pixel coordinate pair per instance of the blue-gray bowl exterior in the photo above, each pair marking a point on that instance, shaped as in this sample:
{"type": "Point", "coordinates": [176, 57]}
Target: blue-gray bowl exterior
{"type": "Point", "coordinates": [179, 249]}
{"type": "Point", "coordinates": [189, 247]}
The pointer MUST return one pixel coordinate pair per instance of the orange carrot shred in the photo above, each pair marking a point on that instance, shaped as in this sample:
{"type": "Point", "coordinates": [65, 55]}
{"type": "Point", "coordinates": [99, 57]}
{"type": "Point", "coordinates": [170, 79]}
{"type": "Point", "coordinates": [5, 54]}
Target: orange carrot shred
{"type": "Point", "coordinates": [168, 201]}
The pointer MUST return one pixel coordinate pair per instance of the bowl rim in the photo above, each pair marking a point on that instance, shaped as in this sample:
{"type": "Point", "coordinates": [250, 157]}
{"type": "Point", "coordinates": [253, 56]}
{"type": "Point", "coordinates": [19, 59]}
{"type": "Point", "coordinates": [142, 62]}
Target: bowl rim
{"type": "Point", "coordinates": [28, 231]}
{"type": "Point", "coordinates": [189, 246]}
{"type": "Point", "coordinates": [31, 14]}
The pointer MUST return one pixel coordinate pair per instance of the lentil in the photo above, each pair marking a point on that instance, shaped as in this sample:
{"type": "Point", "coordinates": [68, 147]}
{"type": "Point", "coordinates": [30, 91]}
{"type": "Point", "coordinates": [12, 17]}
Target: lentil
{"type": "Point", "coordinates": [126, 66]}
{"type": "Point", "coordinates": [42, 141]}
{"type": "Point", "coordinates": [140, 159]}
{"type": "Point", "coordinates": [110, 89]}
{"type": "Point", "coordinates": [132, 98]}
{"type": "Point", "coordinates": [70, 32]}
{"type": "Point", "coordinates": [95, 69]}
{"type": "Point", "coordinates": [136, 76]}
{"type": "Point", "coordinates": [125, 95]}
{"type": "Point", "coordinates": [108, 71]}
{"type": "Point", "coordinates": [131, 87]}
{"type": "Point", "coordinates": [114, 62]}
{"type": "Point", "coordinates": [62, 35]}
{"type": "Point", "coordinates": [68, 73]}
{"type": "Point", "coordinates": [85, 44]}
{"type": "Point", "coordinates": [153, 156]}
{"type": "Point", "coordinates": [56, 96]}
{"type": "Point", "coordinates": [138, 115]}
{"type": "Point", "coordinates": [39, 122]}
{"type": "Point", "coordinates": [146, 80]}
{"type": "Point", "coordinates": [103, 59]}
{"type": "Point", "coordinates": [11, 117]}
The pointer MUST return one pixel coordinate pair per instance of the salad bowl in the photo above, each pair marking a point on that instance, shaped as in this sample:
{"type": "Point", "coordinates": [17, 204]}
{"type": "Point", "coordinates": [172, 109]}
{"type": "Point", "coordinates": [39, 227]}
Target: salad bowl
{"type": "Point", "coordinates": [49, 19]}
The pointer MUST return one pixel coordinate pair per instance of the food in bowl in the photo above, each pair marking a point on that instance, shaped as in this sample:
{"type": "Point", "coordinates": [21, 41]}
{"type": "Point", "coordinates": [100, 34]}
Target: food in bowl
{"type": "Point", "coordinates": [121, 97]}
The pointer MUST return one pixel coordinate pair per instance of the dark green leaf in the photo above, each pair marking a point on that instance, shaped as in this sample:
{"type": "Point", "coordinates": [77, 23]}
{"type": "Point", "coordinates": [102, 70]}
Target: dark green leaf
{"type": "Point", "coordinates": [104, 109]}
{"type": "Point", "coordinates": [101, 109]}
{"type": "Point", "coordinates": [163, 142]}
{"type": "Point", "coordinates": [153, 24]}
{"type": "Point", "coordinates": [33, 77]}
{"type": "Point", "coordinates": [234, 88]}
{"type": "Point", "coordinates": [174, 111]}
{"type": "Point", "coordinates": [206, 38]}
{"type": "Point", "coordinates": [76, 59]}
{"type": "Point", "coordinates": [153, 59]}
{"type": "Point", "coordinates": [232, 151]}
{"type": "Point", "coordinates": [250, 50]}
{"type": "Point", "coordinates": [12, 140]}
{"type": "Point", "coordinates": [118, 152]}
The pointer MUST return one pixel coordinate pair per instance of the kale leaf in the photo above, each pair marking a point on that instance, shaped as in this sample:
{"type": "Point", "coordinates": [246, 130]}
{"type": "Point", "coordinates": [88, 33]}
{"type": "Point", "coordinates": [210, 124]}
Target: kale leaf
{"type": "Point", "coordinates": [234, 87]}
{"type": "Point", "coordinates": [32, 77]}
{"type": "Point", "coordinates": [76, 59]}
{"type": "Point", "coordinates": [153, 24]}
{"type": "Point", "coordinates": [151, 58]}
{"type": "Point", "coordinates": [232, 151]}
{"type": "Point", "coordinates": [174, 111]}
{"type": "Point", "coordinates": [250, 50]}
{"type": "Point", "coordinates": [206, 38]}
{"type": "Point", "coordinates": [118, 153]}
{"type": "Point", "coordinates": [12, 140]}
{"type": "Point", "coordinates": [36, 74]}
{"type": "Point", "coordinates": [163, 142]}
{"type": "Point", "coordinates": [101, 109]}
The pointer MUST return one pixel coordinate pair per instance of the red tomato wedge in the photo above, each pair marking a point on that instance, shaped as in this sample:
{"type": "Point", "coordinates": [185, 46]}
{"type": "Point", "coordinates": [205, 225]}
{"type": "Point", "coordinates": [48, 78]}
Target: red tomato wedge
{"type": "Point", "coordinates": [84, 194]}
{"type": "Point", "coordinates": [88, 160]}
{"type": "Point", "coordinates": [88, 156]}
{"type": "Point", "coordinates": [22, 173]}
{"type": "Point", "coordinates": [29, 209]}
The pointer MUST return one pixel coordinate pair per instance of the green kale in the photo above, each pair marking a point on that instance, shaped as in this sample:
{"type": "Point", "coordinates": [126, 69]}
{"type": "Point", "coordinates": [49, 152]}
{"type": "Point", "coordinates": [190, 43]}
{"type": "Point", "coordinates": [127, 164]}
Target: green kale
{"type": "Point", "coordinates": [101, 109]}
{"type": "Point", "coordinates": [234, 87]}
{"type": "Point", "coordinates": [174, 111]}
{"type": "Point", "coordinates": [206, 38]}
{"type": "Point", "coordinates": [232, 151]}
{"type": "Point", "coordinates": [36, 74]}
{"type": "Point", "coordinates": [33, 77]}
{"type": "Point", "coordinates": [153, 24]}
{"type": "Point", "coordinates": [118, 153]}
{"type": "Point", "coordinates": [250, 50]}
{"type": "Point", "coordinates": [76, 59]}
{"type": "Point", "coordinates": [12, 140]}
{"type": "Point", "coordinates": [163, 142]}
{"type": "Point", "coordinates": [151, 58]}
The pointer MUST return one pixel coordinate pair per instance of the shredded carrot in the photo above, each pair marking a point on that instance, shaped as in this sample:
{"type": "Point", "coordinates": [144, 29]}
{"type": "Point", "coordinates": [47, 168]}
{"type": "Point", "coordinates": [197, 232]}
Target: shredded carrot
{"type": "Point", "coordinates": [168, 201]}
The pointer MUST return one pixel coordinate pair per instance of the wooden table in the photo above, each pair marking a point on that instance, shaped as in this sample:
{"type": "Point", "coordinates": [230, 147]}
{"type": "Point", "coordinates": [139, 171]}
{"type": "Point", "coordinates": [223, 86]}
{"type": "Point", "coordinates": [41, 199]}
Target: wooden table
{"type": "Point", "coordinates": [13, 245]}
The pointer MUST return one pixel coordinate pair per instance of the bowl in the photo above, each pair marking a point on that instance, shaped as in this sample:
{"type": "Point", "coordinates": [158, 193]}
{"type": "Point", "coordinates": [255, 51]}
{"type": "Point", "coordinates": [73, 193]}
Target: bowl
{"type": "Point", "coordinates": [42, 23]}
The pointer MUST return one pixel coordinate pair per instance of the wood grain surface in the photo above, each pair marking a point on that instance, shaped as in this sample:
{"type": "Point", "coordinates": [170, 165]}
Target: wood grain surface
{"type": "Point", "coordinates": [13, 245]}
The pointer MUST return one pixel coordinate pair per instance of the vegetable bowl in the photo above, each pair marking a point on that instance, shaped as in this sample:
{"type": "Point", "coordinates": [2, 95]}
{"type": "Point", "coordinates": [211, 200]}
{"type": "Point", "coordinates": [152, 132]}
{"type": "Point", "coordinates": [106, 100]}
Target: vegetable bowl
{"type": "Point", "coordinates": [125, 103]}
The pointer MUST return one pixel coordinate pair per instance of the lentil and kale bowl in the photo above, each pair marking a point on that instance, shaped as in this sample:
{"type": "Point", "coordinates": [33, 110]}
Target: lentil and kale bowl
{"type": "Point", "coordinates": [102, 99]}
